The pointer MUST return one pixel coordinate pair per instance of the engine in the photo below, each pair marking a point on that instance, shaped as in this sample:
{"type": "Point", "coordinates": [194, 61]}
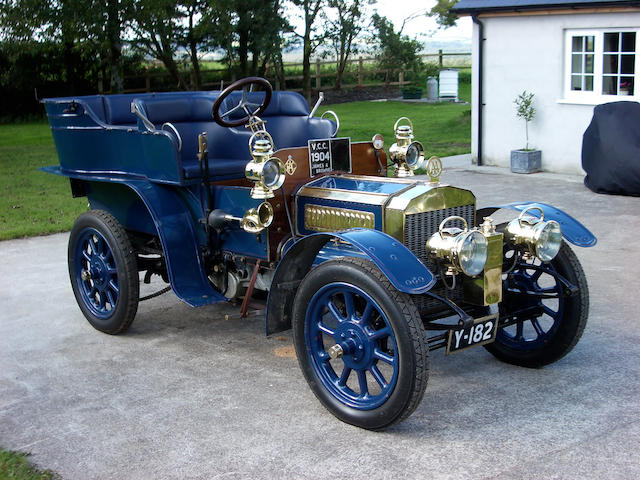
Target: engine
{"type": "Point", "coordinates": [411, 211]}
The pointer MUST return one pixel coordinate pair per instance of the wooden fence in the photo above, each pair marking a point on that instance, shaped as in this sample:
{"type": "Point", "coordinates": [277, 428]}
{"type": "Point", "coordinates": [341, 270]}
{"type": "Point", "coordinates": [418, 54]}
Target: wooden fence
{"type": "Point", "coordinates": [360, 71]}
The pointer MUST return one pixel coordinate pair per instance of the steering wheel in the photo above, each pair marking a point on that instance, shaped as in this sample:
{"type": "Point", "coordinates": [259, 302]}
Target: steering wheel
{"type": "Point", "coordinates": [243, 104]}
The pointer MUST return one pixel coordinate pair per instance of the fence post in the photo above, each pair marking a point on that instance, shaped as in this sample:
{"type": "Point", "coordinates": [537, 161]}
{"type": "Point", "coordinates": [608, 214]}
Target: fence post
{"type": "Point", "coordinates": [318, 74]}
{"type": "Point", "coordinates": [360, 71]}
{"type": "Point", "coordinates": [147, 81]}
{"type": "Point", "coordinates": [401, 78]}
{"type": "Point", "coordinates": [440, 58]}
{"type": "Point", "coordinates": [100, 85]}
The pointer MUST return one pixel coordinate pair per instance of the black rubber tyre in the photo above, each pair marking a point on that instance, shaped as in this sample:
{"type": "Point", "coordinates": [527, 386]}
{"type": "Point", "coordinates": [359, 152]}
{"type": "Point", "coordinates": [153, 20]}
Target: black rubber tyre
{"type": "Point", "coordinates": [389, 347]}
{"type": "Point", "coordinates": [103, 271]}
{"type": "Point", "coordinates": [566, 319]}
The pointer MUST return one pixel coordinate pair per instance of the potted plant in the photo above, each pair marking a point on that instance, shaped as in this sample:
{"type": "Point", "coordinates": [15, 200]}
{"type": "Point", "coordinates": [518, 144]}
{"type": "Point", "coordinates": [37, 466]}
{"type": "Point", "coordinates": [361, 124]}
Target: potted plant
{"type": "Point", "coordinates": [625, 88]}
{"type": "Point", "coordinates": [525, 160]}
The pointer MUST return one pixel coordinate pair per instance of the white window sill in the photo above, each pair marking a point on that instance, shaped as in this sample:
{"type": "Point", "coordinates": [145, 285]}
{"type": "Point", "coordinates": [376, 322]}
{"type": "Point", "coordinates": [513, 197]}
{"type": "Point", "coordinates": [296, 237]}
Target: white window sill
{"type": "Point", "coordinates": [598, 100]}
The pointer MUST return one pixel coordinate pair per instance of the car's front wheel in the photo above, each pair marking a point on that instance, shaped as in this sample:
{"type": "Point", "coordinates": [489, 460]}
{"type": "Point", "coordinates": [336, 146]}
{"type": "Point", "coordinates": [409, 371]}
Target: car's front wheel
{"type": "Point", "coordinates": [544, 311]}
{"type": "Point", "coordinates": [360, 343]}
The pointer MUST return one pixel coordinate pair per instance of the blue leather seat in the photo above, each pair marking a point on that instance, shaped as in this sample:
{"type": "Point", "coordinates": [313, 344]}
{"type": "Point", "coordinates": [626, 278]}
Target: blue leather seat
{"type": "Point", "coordinates": [287, 120]}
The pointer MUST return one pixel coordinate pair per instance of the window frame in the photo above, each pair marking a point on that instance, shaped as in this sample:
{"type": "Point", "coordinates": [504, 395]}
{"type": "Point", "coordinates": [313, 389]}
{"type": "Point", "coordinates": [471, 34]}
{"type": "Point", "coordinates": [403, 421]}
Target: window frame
{"type": "Point", "coordinates": [596, 96]}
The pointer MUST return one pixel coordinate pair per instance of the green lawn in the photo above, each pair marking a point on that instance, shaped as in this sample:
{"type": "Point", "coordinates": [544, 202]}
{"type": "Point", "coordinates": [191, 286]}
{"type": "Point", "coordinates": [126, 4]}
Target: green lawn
{"type": "Point", "coordinates": [444, 128]}
{"type": "Point", "coordinates": [36, 203]}
{"type": "Point", "coordinates": [32, 202]}
{"type": "Point", "coordinates": [14, 465]}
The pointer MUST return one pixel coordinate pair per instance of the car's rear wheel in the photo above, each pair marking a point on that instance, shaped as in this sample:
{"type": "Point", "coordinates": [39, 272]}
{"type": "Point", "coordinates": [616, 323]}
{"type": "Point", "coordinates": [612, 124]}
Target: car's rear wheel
{"type": "Point", "coordinates": [548, 315]}
{"type": "Point", "coordinates": [360, 343]}
{"type": "Point", "coordinates": [103, 271]}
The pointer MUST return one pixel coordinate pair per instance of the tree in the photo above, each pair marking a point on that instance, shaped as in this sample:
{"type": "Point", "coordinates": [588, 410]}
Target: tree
{"type": "Point", "coordinates": [310, 39]}
{"type": "Point", "coordinates": [159, 31]}
{"type": "Point", "coordinates": [118, 14]}
{"type": "Point", "coordinates": [395, 50]}
{"type": "Point", "coordinates": [343, 29]}
{"type": "Point", "coordinates": [259, 26]}
{"type": "Point", "coordinates": [526, 111]}
{"type": "Point", "coordinates": [442, 11]}
{"type": "Point", "coordinates": [193, 35]}
{"type": "Point", "coordinates": [88, 29]}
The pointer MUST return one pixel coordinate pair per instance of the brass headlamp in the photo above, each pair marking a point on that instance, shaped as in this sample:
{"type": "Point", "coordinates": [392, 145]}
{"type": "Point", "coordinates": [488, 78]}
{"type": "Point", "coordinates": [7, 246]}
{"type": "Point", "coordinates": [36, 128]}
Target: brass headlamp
{"type": "Point", "coordinates": [407, 155]}
{"type": "Point", "coordinates": [266, 171]}
{"type": "Point", "coordinates": [461, 250]}
{"type": "Point", "coordinates": [534, 236]}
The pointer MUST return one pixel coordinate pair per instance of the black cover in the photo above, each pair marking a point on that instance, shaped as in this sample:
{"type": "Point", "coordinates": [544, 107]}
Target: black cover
{"type": "Point", "coordinates": [611, 149]}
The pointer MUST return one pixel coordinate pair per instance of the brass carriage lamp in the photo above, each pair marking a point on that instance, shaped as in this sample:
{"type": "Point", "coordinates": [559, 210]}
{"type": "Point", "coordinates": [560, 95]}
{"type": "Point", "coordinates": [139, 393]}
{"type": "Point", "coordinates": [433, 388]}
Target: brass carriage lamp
{"type": "Point", "coordinates": [407, 155]}
{"type": "Point", "coordinates": [460, 250]}
{"type": "Point", "coordinates": [534, 236]}
{"type": "Point", "coordinates": [266, 171]}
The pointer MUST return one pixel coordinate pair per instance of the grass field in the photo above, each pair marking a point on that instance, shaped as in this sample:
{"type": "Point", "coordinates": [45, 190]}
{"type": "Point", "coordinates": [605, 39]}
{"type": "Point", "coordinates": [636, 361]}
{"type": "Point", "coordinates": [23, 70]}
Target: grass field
{"type": "Point", "coordinates": [444, 128]}
{"type": "Point", "coordinates": [32, 202]}
{"type": "Point", "coordinates": [36, 203]}
{"type": "Point", "coordinates": [14, 465]}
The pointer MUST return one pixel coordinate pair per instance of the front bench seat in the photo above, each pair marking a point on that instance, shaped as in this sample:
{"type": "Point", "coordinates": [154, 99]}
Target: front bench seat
{"type": "Point", "coordinates": [287, 120]}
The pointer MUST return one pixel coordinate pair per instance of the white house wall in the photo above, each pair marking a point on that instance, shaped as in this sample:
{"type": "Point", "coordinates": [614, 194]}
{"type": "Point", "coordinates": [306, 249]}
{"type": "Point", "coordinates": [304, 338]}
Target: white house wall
{"type": "Point", "coordinates": [527, 53]}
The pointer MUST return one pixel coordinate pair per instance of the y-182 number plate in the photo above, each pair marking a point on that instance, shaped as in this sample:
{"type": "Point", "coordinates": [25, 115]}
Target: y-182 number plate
{"type": "Point", "coordinates": [482, 331]}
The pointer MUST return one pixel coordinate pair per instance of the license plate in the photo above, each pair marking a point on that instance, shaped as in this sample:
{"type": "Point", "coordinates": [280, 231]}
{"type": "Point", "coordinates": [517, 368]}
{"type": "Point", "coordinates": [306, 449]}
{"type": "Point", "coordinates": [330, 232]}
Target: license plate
{"type": "Point", "coordinates": [482, 331]}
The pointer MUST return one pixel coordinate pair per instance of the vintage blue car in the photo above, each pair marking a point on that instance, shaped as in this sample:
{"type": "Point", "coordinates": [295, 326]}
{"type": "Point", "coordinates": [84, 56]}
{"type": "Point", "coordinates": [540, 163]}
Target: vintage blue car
{"type": "Point", "coordinates": [371, 266]}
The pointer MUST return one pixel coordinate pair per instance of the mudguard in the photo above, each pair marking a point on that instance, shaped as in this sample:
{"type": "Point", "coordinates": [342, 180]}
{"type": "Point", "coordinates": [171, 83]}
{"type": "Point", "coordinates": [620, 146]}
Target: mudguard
{"type": "Point", "coordinates": [401, 267]}
{"type": "Point", "coordinates": [572, 230]}
{"type": "Point", "coordinates": [176, 230]}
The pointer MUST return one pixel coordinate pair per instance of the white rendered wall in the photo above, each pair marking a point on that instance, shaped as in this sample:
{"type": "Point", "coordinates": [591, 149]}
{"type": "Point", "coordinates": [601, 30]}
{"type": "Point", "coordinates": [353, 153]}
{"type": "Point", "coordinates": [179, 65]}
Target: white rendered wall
{"type": "Point", "coordinates": [527, 53]}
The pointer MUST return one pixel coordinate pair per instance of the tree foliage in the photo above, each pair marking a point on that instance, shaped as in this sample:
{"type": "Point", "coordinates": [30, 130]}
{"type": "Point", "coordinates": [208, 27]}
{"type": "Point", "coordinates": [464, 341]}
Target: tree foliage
{"type": "Point", "coordinates": [343, 24]}
{"type": "Point", "coordinates": [526, 111]}
{"type": "Point", "coordinates": [395, 50]}
{"type": "Point", "coordinates": [443, 14]}
{"type": "Point", "coordinates": [81, 28]}
{"type": "Point", "coordinates": [158, 31]}
{"type": "Point", "coordinates": [311, 38]}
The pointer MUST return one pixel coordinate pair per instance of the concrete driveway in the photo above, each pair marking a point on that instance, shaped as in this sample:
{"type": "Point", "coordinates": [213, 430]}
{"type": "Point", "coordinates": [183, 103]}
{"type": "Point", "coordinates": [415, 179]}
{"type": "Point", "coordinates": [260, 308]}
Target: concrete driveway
{"type": "Point", "coordinates": [188, 394]}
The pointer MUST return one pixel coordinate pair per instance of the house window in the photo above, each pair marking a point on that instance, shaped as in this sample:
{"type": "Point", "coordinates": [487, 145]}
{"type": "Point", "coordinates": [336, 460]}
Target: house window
{"type": "Point", "coordinates": [619, 59]}
{"type": "Point", "coordinates": [582, 63]}
{"type": "Point", "coordinates": [601, 64]}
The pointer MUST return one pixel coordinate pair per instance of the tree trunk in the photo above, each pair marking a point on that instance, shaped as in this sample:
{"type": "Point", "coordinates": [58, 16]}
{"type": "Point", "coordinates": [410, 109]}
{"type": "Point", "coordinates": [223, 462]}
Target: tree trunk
{"type": "Point", "coordinates": [279, 68]}
{"type": "Point", "coordinates": [306, 64]}
{"type": "Point", "coordinates": [340, 67]}
{"type": "Point", "coordinates": [114, 54]}
{"type": "Point", "coordinates": [243, 39]}
{"type": "Point", "coordinates": [193, 53]}
{"type": "Point", "coordinates": [170, 63]}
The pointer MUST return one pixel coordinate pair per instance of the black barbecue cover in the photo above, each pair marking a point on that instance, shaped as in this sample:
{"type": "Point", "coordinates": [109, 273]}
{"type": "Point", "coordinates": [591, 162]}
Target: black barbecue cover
{"type": "Point", "coordinates": [611, 149]}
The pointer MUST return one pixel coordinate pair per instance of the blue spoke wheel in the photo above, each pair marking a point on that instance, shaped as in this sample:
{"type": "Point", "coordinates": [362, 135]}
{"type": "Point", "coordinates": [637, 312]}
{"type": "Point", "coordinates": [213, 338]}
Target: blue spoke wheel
{"type": "Point", "coordinates": [103, 271]}
{"type": "Point", "coordinates": [549, 316]}
{"type": "Point", "coordinates": [360, 343]}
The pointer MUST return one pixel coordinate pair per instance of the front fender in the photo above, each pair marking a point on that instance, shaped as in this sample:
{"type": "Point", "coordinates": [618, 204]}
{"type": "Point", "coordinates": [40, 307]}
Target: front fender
{"type": "Point", "coordinates": [401, 267]}
{"type": "Point", "coordinates": [572, 230]}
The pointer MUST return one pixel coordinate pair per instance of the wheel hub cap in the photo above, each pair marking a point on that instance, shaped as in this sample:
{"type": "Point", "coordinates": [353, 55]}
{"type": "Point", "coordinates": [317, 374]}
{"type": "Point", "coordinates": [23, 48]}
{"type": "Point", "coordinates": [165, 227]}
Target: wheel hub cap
{"type": "Point", "coordinates": [356, 347]}
{"type": "Point", "coordinates": [98, 271]}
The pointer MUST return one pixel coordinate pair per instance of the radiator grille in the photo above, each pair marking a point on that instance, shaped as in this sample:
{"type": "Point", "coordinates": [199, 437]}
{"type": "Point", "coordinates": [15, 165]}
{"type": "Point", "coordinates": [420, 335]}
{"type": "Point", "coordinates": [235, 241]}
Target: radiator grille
{"type": "Point", "coordinates": [418, 228]}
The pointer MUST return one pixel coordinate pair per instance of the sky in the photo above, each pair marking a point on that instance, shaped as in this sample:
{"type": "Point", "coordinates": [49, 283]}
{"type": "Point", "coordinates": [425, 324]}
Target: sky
{"type": "Point", "coordinates": [398, 10]}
